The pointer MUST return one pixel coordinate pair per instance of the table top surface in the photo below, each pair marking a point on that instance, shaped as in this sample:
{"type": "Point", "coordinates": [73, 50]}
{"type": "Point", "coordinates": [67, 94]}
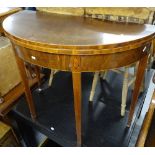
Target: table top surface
{"type": "Point", "coordinates": [7, 10]}
{"type": "Point", "coordinates": [72, 32]}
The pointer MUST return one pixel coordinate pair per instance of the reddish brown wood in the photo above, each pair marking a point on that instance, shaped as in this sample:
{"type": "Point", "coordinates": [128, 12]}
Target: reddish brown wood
{"type": "Point", "coordinates": [70, 35]}
{"type": "Point", "coordinates": [76, 76]}
{"type": "Point", "coordinates": [37, 72]}
{"type": "Point", "coordinates": [139, 78]}
{"type": "Point", "coordinates": [88, 63]}
{"type": "Point", "coordinates": [79, 44]}
{"type": "Point", "coordinates": [25, 82]}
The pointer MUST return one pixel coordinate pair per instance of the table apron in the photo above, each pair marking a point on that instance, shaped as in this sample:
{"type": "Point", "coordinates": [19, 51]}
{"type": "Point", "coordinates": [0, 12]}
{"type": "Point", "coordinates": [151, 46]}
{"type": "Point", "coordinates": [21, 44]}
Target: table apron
{"type": "Point", "coordinates": [81, 63]}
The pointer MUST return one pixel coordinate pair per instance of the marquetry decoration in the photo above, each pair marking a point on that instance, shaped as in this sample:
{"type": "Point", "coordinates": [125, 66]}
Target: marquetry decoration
{"type": "Point", "coordinates": [86, 45]}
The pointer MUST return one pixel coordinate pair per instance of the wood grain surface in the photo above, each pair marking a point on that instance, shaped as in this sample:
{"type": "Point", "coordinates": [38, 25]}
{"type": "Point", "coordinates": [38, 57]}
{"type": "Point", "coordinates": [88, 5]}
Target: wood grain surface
{"type": "Point", "coordinates": [64, 34]}
{"type": "Point", "coordinates": [78, 44]}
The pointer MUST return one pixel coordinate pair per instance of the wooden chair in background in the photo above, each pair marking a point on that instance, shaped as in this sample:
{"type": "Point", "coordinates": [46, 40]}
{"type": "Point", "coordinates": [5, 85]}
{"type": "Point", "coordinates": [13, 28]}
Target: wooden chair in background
{"type": "Point", "coordinates": [125, 15]}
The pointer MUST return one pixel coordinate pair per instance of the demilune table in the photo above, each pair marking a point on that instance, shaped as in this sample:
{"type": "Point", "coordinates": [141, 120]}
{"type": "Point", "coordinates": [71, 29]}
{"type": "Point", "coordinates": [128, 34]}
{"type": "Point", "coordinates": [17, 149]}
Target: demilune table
{"type": "Point", "coordinates": [77, 44]}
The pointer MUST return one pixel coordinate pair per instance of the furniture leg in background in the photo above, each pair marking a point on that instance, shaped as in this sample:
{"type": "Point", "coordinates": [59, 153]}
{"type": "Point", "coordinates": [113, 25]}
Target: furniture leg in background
{"type": "Point", "coordinates": [95, 79]}
{"type": "Point", "coordinates": [124, 91]}
{"type": "Point", "coordinates": [51, 77]}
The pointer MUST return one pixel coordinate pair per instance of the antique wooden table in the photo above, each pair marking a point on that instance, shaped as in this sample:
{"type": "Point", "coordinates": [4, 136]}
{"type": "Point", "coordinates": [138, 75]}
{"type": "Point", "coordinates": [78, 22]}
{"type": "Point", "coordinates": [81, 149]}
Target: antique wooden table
{"type": "Point", "coordinates": [6, 11]}
{"type": "Point", "coordinates": [77, 44]}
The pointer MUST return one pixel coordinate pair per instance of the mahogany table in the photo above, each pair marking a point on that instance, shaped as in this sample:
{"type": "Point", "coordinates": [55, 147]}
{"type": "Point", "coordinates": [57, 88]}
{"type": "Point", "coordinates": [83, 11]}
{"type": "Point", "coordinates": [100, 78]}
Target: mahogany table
{"type": "Point", "coordinates": [77, 44]}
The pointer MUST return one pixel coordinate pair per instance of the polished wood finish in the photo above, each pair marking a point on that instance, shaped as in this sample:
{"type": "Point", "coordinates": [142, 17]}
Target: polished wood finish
{"type": "Point", "coordinates": [79, 35]}
{"type": "Point", "coordinates": [6, 11]}
{"type": "Point", "coordinates": [77, 103]}
{"type": "Point", "coordinates": [25, 81]}
{"type": "Point", "coordinates": [139, 78]}
{"type": "Point", "coordinates": [65, 62]}
{"type": "Point", "coordinates": [77, 44]}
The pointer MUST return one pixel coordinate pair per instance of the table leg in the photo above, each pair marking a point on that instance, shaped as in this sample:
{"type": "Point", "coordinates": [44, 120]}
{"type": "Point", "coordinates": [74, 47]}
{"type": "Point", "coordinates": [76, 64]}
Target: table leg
{"type": "Point", "coordinates": [27, 90]}
{"type": "Point", "coordinates": [37, 72]}
{"type": "Point", "coordinates": [139, 78]}
{"type": "Point", "coordinates": [76, 76]}
{"type": "Point", "coordinates": [30, 70]}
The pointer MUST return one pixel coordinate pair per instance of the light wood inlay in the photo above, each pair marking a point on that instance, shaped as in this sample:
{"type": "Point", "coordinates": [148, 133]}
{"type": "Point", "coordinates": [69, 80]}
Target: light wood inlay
{"type": "Point", "coordinates": [78, 44]}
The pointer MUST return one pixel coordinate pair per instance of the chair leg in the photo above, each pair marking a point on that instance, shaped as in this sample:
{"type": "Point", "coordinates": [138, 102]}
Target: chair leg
{"type": "Point", "coordinates": [104, 74]}
{"type": "Point", "coordinates": [51, 77]}
{"type": "Point", "coordinates": [95, 79]}
{"type": "Point", "coordinates": [124, 91]}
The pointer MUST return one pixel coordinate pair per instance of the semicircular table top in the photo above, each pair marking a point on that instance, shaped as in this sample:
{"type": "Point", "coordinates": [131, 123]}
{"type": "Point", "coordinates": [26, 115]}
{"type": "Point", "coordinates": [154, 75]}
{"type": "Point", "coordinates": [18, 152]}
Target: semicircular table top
{"type": "Point", "coordinates": [65, 31]}
{"type": "Point", "coordinates": [60, 42]}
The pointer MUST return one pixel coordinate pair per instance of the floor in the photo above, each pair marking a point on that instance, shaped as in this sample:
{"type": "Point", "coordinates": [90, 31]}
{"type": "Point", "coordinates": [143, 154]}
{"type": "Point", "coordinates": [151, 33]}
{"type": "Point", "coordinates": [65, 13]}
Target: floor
{"type": "Point", "coordinates": [102, 124]}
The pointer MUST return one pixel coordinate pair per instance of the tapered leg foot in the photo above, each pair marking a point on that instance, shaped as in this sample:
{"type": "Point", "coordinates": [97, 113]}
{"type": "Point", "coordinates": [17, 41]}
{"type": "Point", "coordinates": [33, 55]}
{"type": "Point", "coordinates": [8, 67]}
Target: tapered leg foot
{"type": "Point", "coordinates": [124, 92]}
{"type": "Point", "coordinates": [77, 104]}
{"type": "Point", "coordinates": [139, 78]}
{"type": "Point", "coordinates": [25, 83]}
{"type": "Point", "coordinates": [95, 79]}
